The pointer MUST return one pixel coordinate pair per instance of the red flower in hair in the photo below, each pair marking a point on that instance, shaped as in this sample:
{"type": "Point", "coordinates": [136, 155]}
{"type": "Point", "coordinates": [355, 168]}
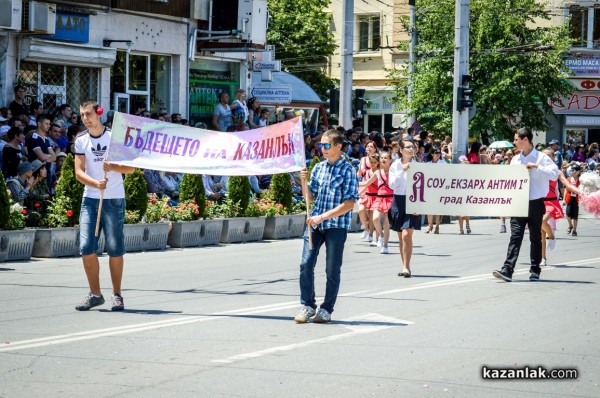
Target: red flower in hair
{"type": "Point", "coordinates": [69, 213]}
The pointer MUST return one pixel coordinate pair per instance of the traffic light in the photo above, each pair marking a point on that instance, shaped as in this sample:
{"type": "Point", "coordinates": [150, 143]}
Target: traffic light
{"type": "Point", "coordinates": [333, 102]}
{"type": "Point", "coordinates": [359, 102]}
{"type": "Point", "coordinates": [465, 94]}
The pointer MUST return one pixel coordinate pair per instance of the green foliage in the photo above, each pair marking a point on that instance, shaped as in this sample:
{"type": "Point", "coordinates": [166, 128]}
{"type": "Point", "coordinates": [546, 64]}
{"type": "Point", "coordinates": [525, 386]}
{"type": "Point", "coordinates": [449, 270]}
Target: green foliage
{"type": "Point", "coordinates": [265, 207]}
{"type": "Point", "coordinates": [300, 32]}
{"type": "Point", "coordinates": [64, 209]}
{"type": "Point", "coordinates": [61, 212]}
{"type": "Point", "coordinates": [238, 193]}
{"type": "Point", "coordinates": [281, 190]}
{"type": "Point", "coordinates": [314, 162]}
{"type": "Point", "coordinates": [192, 188]}
{"type": "Point", "coordinates": [155, 209]}
{"type": "Point", "coordinates": [4, 203]}
{"type": "Point", "coordinates": [186, 210]}
{"type": "Point", "coordinates": [515, 61]}
{"type": "Point", "coordinates": [136, 194]}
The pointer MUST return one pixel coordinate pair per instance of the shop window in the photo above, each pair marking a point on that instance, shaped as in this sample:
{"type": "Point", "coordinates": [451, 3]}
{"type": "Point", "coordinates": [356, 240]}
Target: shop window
{"type": "Point", "coordinates": [141, 81]}
{"type": "Point", "coordinates": [54, 85]}
{"type": "Point", "coordinates": [369, 33]}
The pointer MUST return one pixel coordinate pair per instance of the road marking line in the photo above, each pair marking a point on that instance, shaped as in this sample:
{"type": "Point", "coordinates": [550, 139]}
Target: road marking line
{"type": "Point", "coordinates": [119, 330]}
{"type": "Point", "coordinates": [97, 333]}
{"type": "Point", "coordinates": [356, 329]}
{"type": "Point", "coordinates": [474, 278]}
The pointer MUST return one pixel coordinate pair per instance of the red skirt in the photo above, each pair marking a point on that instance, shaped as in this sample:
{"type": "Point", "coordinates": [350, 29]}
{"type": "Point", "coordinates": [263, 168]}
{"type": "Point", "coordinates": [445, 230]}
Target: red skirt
{"type": "Point", "coordinates": [383, 203]}
{"type": "Point", "coordinates": [368, 200]}
{"type": "Point", "coordinates": [554, 208]}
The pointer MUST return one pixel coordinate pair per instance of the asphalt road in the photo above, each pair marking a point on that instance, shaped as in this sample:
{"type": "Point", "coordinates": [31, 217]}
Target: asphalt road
{"type": "Point", "coordinates": [217, 322]}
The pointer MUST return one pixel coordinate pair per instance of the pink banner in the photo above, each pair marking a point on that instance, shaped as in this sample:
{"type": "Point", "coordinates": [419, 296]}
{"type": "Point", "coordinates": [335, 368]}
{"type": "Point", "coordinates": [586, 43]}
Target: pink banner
{"type": "Point", "coordinates": [151, 144]}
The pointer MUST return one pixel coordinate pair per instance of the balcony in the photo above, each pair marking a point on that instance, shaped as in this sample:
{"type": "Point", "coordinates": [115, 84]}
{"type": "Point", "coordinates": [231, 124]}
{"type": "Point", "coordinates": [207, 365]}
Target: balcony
{"type": "Point", "coordinates": [174, 8]}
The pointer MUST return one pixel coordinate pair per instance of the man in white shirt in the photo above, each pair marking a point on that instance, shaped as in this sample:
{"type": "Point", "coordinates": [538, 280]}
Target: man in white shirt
{"type": "Point", "coordinates": [541, 171]}
{"type": "Point", "coordinates": [98, 175]}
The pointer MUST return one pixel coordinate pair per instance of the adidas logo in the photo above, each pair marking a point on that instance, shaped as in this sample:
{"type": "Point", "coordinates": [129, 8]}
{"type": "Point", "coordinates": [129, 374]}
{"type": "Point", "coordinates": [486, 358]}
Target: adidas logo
{"type": "Point", "coordinates": [99, 150]}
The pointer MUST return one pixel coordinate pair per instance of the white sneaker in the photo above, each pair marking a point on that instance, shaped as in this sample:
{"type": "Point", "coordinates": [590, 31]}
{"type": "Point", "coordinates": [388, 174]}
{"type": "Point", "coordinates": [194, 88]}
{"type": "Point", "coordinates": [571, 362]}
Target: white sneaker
{"type": "Point", "coordinates": [370, 239]}
{"type": "Point", "coordinates": [373, 242]}
{"type": "Point", "coordinates": [364, 234]}
{"type": "Point", "coordinates": [543, 262]}
{"type": "Point", "coordinates": [384, 250]}
{"type": "Point", "coordinates": [380, 242]}
{"type": "Point", "coordinates": [305, 314]}
{"type": "Point", "coordinates": [550, 244]}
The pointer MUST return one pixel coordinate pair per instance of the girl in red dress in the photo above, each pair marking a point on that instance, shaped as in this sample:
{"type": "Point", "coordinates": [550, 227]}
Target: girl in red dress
{"type": "Point", "coordinates": [383, 201]}
{"type": "Point", "coordinates": [363, 168]}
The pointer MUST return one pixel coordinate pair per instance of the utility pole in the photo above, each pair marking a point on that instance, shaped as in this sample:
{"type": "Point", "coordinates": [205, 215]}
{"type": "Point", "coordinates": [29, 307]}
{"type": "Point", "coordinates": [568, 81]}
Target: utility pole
{"type": "Point", "coordinates": [412, 57]}
{"type": "Point", "coordinates": [346, 67]}
{"type": "Point", "coordinates": [460, 117]}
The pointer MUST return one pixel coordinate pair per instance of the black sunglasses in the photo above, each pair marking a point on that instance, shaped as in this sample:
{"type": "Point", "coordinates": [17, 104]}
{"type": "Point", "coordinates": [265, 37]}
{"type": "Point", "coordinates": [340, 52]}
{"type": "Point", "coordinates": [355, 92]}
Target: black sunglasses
{"type": "Point", "coordinates": [325, 146]}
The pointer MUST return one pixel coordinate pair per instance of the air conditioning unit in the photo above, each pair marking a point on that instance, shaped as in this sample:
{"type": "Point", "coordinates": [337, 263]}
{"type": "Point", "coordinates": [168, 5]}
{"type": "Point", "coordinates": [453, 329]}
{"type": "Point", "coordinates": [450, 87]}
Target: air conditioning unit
{"type": "Point", "coordinates": [248, 17]}
{"type": "Point", "coordinates": [10, 14]}
{"type": "Point", "coordinates": [41, 18]}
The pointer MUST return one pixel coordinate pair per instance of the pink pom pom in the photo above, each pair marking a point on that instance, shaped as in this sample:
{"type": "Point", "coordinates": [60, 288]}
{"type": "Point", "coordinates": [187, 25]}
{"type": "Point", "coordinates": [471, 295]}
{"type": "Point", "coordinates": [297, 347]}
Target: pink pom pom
{"type": "Point", "coordinates": [591, 203]}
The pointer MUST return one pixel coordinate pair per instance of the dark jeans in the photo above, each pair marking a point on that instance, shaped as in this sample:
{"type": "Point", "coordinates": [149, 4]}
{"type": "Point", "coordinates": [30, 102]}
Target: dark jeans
{"type": "Point", "coordinates": [517, 231]}
{"type": "Point", "coordinates": [334, 239]}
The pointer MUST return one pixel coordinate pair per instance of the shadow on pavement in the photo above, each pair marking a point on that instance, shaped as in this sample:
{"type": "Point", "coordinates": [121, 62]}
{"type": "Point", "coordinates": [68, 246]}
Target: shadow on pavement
{"type": "Point", "coordinates": [7, 269]}
{"type": "Point", "coordinates": [144, 312]}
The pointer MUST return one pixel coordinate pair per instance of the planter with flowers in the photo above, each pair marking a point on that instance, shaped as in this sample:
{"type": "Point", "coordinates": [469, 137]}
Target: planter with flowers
{"type": "Point", "coordinates": [16, 243]}
{"type": "Point", "coordinates": [139, 235]}
{"type": "Point", "coordinates": [242, 222]}
{"type": "Point", "coordinates": [285, 219]}
{"type": "Point", "coordinates": [189, 224]}
{"type": "Point", "coordinates": [61, 238]}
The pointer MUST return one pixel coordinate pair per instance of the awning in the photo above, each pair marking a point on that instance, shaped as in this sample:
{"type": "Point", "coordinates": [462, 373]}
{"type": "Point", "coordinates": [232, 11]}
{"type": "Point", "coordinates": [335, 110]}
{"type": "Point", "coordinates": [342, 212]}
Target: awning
{"type": "Point", "coordinates": [52, 52]}
{"type": "Point", "coordinates": [301, 92]}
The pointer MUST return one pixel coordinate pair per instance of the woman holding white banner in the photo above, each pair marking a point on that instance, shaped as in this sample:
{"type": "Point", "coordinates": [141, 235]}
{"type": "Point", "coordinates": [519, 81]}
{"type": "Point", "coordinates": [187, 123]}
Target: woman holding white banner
{"type": "Point", "coordinates": [435, 157]}
{"type": "Point", "coordinates": [403, 223]}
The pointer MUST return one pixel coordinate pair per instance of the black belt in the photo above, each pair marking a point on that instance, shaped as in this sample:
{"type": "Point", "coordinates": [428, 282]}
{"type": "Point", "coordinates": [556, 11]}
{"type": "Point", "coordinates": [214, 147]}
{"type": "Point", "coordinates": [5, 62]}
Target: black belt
{"type": "Point", "coordinates": [371, 194]}
{"type": "Point", "coordinates": [385, 196]}
{"type": "Point", "coordinates": [549, 199]}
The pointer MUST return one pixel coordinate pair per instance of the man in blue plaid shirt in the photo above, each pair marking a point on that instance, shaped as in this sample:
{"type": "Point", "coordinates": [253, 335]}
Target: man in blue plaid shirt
{"type": "Point", "coordinates": [334, 188]}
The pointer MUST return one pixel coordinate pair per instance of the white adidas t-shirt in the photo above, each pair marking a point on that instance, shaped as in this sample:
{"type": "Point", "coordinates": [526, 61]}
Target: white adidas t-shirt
{"type": "Point", "coordinates": [95, 151]}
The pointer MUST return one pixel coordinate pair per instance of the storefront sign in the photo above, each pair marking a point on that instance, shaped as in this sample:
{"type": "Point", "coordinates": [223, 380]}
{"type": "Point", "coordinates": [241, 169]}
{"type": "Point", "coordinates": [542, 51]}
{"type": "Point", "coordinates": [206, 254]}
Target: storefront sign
{"type": "Point", "coordinates": [471, 191]}
{"type": "Point", "coordinates": [151, 144]}
{"type": "Point", "coordinates": [273, 66]}
{"type": "Point", "coordinates": [584, 64]}
{"type": "Point", "coordinates": [71, 27]}
{"type": "Point", "coordinates": [582, 120]}
{"type": "Point", "coordinates": [579, 103]}
{"type": "Point", "coordinates": [267, 94]}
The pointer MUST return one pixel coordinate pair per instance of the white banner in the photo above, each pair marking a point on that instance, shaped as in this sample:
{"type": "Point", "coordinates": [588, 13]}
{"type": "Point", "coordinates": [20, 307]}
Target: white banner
{"type": "Point", "coordinates": [468, 190]}
{"type": "Point", "coordinates": [151, 144]}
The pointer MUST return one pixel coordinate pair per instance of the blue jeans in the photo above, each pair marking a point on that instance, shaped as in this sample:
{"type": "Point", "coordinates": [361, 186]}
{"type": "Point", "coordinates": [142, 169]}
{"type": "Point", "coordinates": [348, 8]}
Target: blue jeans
{"type": "Point", "coordinates": [111, 222]}
{"type": "Point", "coordinates": [334, 239]}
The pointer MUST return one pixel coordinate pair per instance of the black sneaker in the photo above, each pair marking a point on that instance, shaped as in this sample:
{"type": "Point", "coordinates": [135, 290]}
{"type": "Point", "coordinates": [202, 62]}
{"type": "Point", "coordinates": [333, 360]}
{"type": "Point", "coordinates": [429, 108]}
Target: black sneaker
{"type": "Point", "coordinates": [90, 302]}
{"type": "Point", "coordinates": [118, 303]}
{"type": "Point", "coordinates": [534, 276]}
{"type": "Point", "coordinates": [574, 233]}
{"type": "Point", "coordinates": [503, 274]}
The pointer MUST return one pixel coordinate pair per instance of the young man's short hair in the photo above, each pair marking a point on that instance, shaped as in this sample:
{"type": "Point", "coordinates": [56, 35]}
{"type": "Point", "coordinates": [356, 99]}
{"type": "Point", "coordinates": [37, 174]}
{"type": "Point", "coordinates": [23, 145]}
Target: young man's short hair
{"type": "Point", "coordinates": [335, 136]}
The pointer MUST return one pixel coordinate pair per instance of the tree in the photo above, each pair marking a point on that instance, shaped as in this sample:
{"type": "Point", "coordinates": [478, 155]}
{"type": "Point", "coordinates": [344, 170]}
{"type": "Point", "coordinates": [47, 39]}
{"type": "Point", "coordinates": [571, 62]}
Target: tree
{"type": "Point", "coordinates": [136, 193]}
{"type": "Point", "coordinates": [4, 204]}
{"type": "Point", "coordinates": [238, 193]}
{"type": "Point", "coordinates": [300, 32]}
{"type": "Point", "coordinates": [516, 65]}
{"type": "Point", "coordinates": [64, 209]}
{"type": "Point", "coordinates": [281, 188]}
{"type": "Point", "coordinates": [192, 188]}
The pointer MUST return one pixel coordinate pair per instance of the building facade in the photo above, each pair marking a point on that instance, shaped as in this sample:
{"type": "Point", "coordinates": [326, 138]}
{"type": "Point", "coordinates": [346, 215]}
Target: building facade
{"type": "Point", "coordinates": [377, 34]}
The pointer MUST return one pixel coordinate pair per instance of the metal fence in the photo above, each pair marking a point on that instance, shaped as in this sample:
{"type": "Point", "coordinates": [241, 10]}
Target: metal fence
{"type": "Point", "coordinates": [54, 85]}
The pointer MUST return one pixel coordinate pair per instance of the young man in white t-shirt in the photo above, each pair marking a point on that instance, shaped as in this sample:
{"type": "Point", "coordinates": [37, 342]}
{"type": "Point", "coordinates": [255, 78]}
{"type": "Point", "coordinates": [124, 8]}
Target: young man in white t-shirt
{"type": "Point", "coordinates": [93, 170]}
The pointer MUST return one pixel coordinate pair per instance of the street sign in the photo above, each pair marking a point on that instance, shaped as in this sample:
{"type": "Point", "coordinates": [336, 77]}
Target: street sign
{"type": "Point", "coordinates": [273, 94]}
{"type": "Point", "coordinates": [273, 66]}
